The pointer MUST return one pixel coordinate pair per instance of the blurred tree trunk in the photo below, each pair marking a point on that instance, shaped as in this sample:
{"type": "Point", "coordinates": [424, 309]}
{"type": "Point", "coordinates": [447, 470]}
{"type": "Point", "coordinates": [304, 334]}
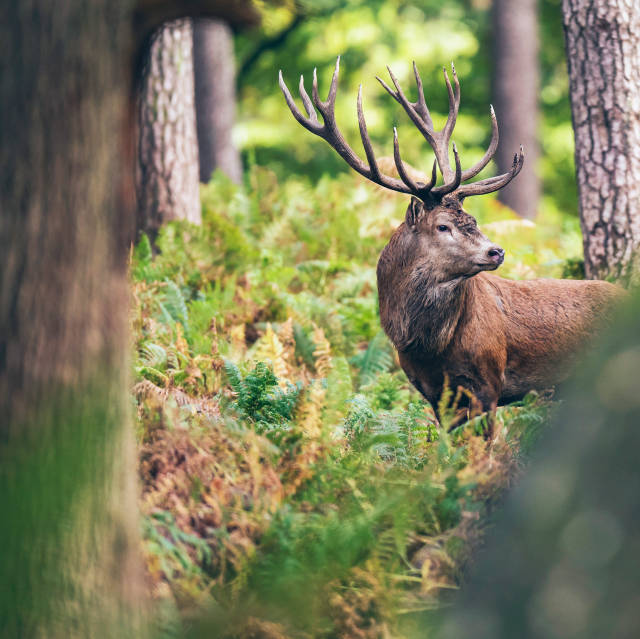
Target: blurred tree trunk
{"type": "Point", "coordinates": [69, 534]}
{"type": "Point", "coordinates": [515, 89]}
{"type": "Point", "coordinates": [69, 538]}
{"type": "Point", "coordinates": [603, 51]}
{"type": "Point", "coordinates": [215, 85]}
{"type": "Point", "coordinates": [168, 186]}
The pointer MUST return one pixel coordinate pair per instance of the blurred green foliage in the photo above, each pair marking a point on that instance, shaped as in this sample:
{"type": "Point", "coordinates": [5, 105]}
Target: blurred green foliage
{"type": "Point", "coordinates": [369, 35]}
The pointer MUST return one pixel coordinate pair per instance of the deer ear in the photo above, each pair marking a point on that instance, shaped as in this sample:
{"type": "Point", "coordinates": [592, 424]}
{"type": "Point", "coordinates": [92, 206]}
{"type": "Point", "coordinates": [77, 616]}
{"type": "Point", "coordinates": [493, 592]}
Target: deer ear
{"type": "Point", "coordinates": [415, 210]}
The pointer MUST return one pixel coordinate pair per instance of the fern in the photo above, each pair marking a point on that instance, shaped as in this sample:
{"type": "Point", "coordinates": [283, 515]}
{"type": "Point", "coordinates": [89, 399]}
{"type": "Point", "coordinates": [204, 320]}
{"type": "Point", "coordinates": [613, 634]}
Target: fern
{"type": "Point", "coordinates": [304, 345]}
{"type": "Point", "coordinates": [142, 264]}
{"type": "Point", "coordinates": [153, 355]}
{"type": "Point", "coordinates": [374, 360]}
{"type": "Point", "coordinates": [259, 398]}
{"type": "Point", "coordinates": [174, 304]}
{"type": "Point", "coordinates": [340, 388]}
{"type": "Point", "coordinates": [386, 391]}
{"type": "Point", "coordinates": [359, 417]}
{"type": "Point", "coordinates": [270, 349]}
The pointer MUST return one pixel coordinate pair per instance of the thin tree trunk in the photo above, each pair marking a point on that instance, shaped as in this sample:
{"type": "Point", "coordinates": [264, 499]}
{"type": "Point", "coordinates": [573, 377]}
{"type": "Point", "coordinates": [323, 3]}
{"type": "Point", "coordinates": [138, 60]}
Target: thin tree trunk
{"type": "Point", "coordinates": [215, 84]}
{"type": "Point", "coordinates": [603, 51]}
{"type": "Point", "coordinates": [168, 186]}
{"type": "Point", "coordinates": [515, 88]}
{"type": "Point", "coordinates": [69, 533]}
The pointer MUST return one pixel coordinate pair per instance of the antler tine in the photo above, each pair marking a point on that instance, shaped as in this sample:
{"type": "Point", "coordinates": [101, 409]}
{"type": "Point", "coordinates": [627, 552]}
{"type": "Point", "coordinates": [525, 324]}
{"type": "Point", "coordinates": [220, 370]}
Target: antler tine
{"type": "Point", "coordinates": [400, 97]}
{"type": "Point", "coordinates": [492, 184]}
{"type": "Point", "coordinates": [420, 104]}
{"type": "Point", "coordinates": [418, 188]}
{"type": "Point", "coordinates": [402, 172]}
{"type": "Point", "coordinates": [457, 177]}
{"type": "Point", "coordinates": [454, 103]}
{"type": "Point", "coordinates": [434, 176]}
{"type": "Point", "coordinates": [366, 142]}
{"type": "Point", "coordinates": [314, 92]}
{"type": "Point", "coordinates": [310, 124]}
{"type": "Point", "coordinates": [329, 131]}
{"type": "Point", "coordinates": [327, 106]}
{"type": "Point", "coordinates": [306, 100]}
{"type": "Point", "coordinates": [333, 89]}
{"type": "Point", "coordinates": [489, 153]}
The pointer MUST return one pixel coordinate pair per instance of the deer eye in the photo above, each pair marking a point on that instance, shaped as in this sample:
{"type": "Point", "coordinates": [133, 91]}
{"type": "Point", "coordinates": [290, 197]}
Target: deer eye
{"type": "Point", "coordinates": [443, 228]}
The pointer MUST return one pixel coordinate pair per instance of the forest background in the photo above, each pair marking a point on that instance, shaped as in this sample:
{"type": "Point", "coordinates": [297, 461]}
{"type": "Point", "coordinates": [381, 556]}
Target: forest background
{"type": "Point", "coordinates": [293, 483]}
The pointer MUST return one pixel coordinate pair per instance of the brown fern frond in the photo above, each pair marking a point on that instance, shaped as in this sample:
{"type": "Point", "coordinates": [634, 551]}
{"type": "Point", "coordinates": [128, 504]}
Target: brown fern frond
{"type": "Point", "coordinates": [322, 353]}
{"type": "Point", "coordinates": [238, 340]}
{"type": "Point", "coordinates": [288, 341]}
{"type": "Point", "coordinates": [270, 349]}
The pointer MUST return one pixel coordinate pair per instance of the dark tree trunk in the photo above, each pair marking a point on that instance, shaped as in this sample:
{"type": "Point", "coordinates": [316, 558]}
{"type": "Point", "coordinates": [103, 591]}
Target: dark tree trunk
{"type": "Point", "coordinates": [68, 541]}
{"type": "Point", "coordinates": [168, 186]}
{"type": "Point", "coordinates": [215, 98]}
{"type": "Point", "coordinates": [515, 88]}
{"type": "Point", "coordinates": [603, 45]}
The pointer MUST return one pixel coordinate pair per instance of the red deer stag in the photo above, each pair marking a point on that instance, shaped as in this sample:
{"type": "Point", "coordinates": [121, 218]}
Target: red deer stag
{"type": "Point", "coordinates": [447, 317]}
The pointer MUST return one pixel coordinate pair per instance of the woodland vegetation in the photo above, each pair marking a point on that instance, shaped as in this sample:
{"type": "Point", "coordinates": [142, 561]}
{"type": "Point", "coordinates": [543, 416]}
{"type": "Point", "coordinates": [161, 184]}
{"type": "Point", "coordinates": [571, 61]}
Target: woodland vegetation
{"type": "Point", "coordinates": [292, 482]}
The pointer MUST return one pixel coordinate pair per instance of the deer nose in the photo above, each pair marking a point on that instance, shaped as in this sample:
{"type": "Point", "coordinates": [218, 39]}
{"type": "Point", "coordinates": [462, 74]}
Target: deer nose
{"type": "Point", "coordinates": [496, 254]}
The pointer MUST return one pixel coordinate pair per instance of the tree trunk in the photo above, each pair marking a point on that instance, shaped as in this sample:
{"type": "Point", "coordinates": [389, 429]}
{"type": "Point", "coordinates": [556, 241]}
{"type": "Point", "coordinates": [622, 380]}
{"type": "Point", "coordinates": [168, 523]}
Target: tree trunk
{"type": "Point", "coordinates": [603, 45]}
{"type": "Point", "coordinates": [515, 88]}
{"type": "Point", "coordinates": [215, 84]}
{"type": "Point", "coordinates": [168, 186]}
{"type": "Point", "coordinates": [69, 542]}
{"type": "Point", "coordinates": [69, 533]}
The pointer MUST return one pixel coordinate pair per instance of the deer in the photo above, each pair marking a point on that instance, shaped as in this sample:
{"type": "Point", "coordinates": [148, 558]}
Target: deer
{"type": "Point", "coordinates": [453, 323]}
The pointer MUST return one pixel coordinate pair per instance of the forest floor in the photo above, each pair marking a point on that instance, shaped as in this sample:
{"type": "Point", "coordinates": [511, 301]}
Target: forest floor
{"type": "Point", "coordinates": [294, 483]}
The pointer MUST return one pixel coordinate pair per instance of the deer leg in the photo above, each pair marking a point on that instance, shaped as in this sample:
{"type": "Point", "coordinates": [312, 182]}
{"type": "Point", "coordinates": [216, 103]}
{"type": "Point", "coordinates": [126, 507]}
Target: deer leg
{"type": "Point", "coordinates": [487, 402]}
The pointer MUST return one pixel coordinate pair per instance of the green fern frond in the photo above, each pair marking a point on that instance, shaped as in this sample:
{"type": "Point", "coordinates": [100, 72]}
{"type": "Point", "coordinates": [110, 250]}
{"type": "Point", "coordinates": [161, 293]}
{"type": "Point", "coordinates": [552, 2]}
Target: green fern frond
{"type": "Point", "coordinates": [174, 304]}
{"type": "Point", "coordinates": [153, 355]}
{"type": "Point", "coordinates": [374, 360]}
{"type": "Point", "coordinates": [153, 375]}
{"type": "Point", "coordinates": [304, 345]}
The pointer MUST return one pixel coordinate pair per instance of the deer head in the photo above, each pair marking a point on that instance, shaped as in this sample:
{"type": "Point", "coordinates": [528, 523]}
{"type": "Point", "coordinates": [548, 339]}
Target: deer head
{"type": "Point", "coordinates": [436, 224]}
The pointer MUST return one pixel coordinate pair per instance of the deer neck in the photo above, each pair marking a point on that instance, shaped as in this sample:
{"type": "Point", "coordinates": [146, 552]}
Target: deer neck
{"type": "Point", "coordinates": [427, 313]}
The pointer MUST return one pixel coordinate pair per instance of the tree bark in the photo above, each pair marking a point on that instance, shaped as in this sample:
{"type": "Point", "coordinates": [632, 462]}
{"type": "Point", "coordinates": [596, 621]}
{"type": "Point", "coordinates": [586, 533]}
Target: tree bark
{"type": "Point", "coordinates": [69, 542]}
{"type": "Point", "coordinates": [69, 537]}
{"type": "Point", "coordinates": [168, 186]}
{"type": "Point", "coordinates": [603, 52]}
{"type": "Point", "coordinates": [515, 89]}
{"type": "Point", "coordinates": [215, 85]}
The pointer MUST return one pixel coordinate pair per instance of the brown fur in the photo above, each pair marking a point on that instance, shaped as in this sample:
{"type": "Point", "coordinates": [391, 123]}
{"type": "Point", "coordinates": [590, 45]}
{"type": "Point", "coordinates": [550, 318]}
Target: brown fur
{"type": "Point", "coordinates": [494, 337]}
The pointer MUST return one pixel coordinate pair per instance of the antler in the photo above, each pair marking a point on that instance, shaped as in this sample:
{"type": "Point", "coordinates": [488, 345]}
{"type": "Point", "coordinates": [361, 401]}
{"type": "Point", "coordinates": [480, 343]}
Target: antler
{"type": "Point", "coordinates": [330, 133]}
{"type": "Point", "coordinates": [420, 116]}
{"type": "Point", "coordinates": [439, 140]}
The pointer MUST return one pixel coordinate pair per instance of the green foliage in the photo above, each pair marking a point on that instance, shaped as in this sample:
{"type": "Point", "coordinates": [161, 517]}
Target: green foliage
{"type": "Point", "coordinates": [291, 473]}
{"type": "Point", "coordinates": [259, 399]}
{"type": "Point", "coordinates": [374, 360]}
{"type": "Point", "coordinates": [371, 35]}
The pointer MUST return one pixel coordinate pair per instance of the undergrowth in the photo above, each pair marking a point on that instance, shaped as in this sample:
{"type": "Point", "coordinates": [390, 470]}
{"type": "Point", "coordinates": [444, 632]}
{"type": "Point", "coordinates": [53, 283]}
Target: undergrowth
{"type": "Point", "coordinates": [294, 483]}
